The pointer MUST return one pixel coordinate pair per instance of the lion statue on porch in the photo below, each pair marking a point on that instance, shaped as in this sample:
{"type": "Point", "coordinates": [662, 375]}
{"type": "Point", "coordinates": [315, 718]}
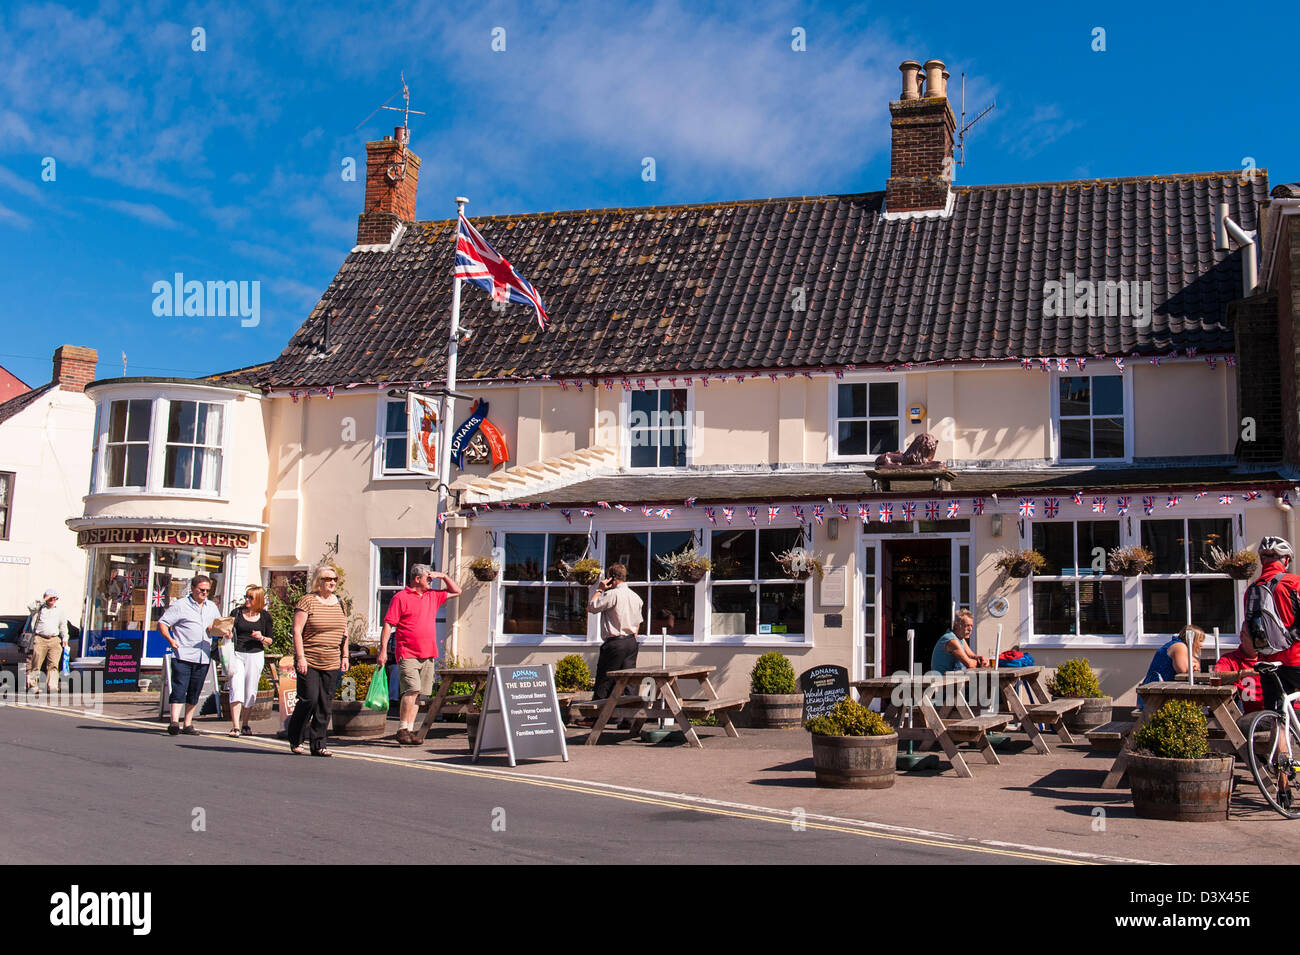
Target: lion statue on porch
{"type": "Point", "coordinates": [918, 454]}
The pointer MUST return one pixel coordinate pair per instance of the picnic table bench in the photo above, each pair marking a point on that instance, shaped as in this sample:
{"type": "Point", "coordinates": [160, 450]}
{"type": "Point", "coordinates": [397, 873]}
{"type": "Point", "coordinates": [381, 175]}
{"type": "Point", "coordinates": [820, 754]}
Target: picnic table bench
{"type": "Point", "coordinates": [1040, 710]}
{"type": "Point", "coordinates": [444, 701]}
{"type": "Point", "coordinates": [667, 704]}
{"type": "Point", "coordinates": [1223, 714]}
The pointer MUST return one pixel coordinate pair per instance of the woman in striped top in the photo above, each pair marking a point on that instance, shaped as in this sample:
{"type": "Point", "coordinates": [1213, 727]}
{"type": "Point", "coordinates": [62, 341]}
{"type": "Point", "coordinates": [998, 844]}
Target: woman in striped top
{"type": "Point", "coordinates": [320, 653]}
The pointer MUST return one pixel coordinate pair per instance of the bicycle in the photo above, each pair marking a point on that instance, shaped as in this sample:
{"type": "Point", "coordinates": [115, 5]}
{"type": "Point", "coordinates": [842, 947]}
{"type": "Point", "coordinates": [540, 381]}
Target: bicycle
{"type": "Point", "coordinates": [1275, 769]}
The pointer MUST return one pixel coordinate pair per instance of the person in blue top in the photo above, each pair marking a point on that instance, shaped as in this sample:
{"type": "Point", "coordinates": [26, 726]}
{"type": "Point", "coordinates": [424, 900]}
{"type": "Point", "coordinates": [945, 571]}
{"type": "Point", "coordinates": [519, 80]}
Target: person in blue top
{"type": "Point", "coordinates": [1171, 660]}
{"type": "Point", "coordinates": [952, 652]}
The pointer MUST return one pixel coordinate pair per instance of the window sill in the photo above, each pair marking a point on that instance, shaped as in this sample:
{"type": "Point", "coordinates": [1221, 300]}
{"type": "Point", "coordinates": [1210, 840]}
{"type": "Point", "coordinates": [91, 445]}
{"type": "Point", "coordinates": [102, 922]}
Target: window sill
{"type": "Point", "coordinates": [765, 640]}
{"type": "Point", "coordinates": [164, 494]}
{"type": "Point", "coordinates": [1086, 642]}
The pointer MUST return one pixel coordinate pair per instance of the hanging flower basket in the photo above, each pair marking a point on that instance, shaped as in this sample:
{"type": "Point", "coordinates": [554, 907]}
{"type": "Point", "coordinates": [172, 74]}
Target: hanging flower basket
{"type": "Point", "coordinates": [484, 569]}
{"type": "Point", "coordinates": [1021, 563]}
{"type": "Point", "coordinates": [1129, 561]}
{"type": "Point", "coordinates": [585, 571]}
{"type": "Point", "coordinates": [688, 566]}
{"type": "Point", "coordinates": [1239, 564]}
{"type": "Point", "coordinates": [798, 564]}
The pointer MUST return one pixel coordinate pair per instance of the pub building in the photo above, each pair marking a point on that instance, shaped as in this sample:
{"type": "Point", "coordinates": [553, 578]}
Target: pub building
{"type": "Point", "coordinates": [1097, 366]}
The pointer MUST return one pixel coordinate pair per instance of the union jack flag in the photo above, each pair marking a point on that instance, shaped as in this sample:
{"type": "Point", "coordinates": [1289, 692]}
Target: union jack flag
{"type": "Point", "coordinates": [525, 506]}
{"type": "Point", "coordinates": [604, 504]}
{"type": "Point", "coordinates": [665, 512]}
{"type": "Point", "coordinates": [622, 507]}
{"type": "Point", "coordinates": [564, 386]}
{"type": "Point", "coordinates": [728, 513]}
{"type": "Point", "coordinates": [505, 507]}
{"type": "Point", "coordinates": [931, 510]}
{"type": "Point", "coordinates": [909, 511]}
{"type": "Point", "coordinates": [1199, 495]}
{"type": "Point", "coordinates": [1148, 504]}
{"type": "Point", "coordinates": [752, 514]}
{"type": "Point", "coordinates": [645, 510]}
{"type": "Point", "coordinates": [1174, 501]}
{"type": "Point", "coordinates": [1225, 498]}
{"type": "Point", "coordinates": [690, 501]}
{"type": "Point", "coordinates": [713, 518]}
{"type": "Point", "coordinates": [1099, 505]}
{"type": "Point", "coordinates": [954, 508]}
{"type": "Point", "coordinates": [158, 598]}
{"type": "Point", "coordinates": [1230, 361]}
{"type": "Point", "coordinates": [819, 513]}
{"type": "Point", "coordinates": [487, 507]}
{"type": "Point", "coordinates": [579, 384]}
{"type": "Point", "coordinates": [1252, 495]}
{"type": "Point", "coordinates": [1210, 360]}
{"type": "Point", "coordinates": [640, 383]}
{"type": "Point", "coordinates": [704, 380]}
{"type": "Point", "coordinates": [442, 518]}
{"type": "Point", "coordinates": [479, 263]}
{"type": "Point", "coordinates": [544, 506]}
{"type": "Point", "coordinates": [1122, 503]}
{"type": "Point", "coordinates": [1026, 363]}
{"type": "Point", "coordinates": [609, 386]}
{"type": "Point", "coordinates": [1044, 364]}
{"type": "Point", "coordinates": [568, 514]}
{"type": "Point", "coordinates": [1078, 497]}
{"type": "Point", "coordinates": [1062, 364]}
{"type": "Point", "coordinates": [977, 506]}
{"type": "Point", "coordinates": [844, 511]}
{"type": "Point", "coordinates": [1119, 363]}
{"type": "Point", "coordinates": [1026, 507]}
{"type": "Point", "coordinates": [798, 513]}
{"type": "Point", "coordinates": [1052, 506]}
{"type": "Point", "coordinates": [864, 512]}
{"type": "Point", "coordinates": [1191, 353]}
{"type": "Point", "coordinates": [886, 513]}
{"type": "Point", "coordinates": [1081, 363]}
{"type": "Point", "coordinates": [586, 511]}
{"type": "Point", "coordinates": [773, 512]}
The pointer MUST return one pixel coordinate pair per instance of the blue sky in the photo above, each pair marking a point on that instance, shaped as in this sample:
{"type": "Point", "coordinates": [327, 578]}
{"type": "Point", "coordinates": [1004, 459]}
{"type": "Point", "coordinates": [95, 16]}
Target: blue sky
{"type": "Point", "coordinates": [226, 163]}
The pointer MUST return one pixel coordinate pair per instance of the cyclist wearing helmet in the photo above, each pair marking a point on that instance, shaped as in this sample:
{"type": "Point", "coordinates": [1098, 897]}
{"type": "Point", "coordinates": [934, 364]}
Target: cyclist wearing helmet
{"type": "Point", "coordinates": [1275, 556]}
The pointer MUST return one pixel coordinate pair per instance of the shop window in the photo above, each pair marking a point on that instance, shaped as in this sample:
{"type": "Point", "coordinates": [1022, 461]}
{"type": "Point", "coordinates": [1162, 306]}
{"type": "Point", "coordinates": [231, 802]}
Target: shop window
{"type": "Point", "coordinates": [658, 428]}
{"type": "Point", "coordinates": [1076, 593]}
{"type": "Point", "coordinates": [193, 459]}
{"type": "Point", "coordinates": [669, 604]}
{"type": "Point", "coordinates": [536, 599]}
{"type": "Point", "coordinates": [867, 418]}
{"type": "Point", "coordinates": [394, 573]}
{"type": "Point", "coordinates": [1180, 587]}
{"type": "Point", "coordinates": [129, 424]}
{"type": "Point", "coordinates": [750, 595]}
{"type": "Point", "coordinates": [6, 502]}
{"type": "Point", "coordinates": [1090, 417]}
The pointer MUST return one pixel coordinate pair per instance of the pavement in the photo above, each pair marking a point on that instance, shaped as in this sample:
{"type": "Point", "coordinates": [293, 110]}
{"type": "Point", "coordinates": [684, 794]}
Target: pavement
{"type": "Point", "coordinates": [1031, 806]}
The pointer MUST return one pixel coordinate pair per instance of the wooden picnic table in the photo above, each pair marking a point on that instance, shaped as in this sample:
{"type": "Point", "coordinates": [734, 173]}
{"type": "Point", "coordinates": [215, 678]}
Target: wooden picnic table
{"type": "Point", "coordinates": [1041, 709]}
{"type": "Point", "coordinates": [443, 702]}
{"type": "Point", "coordinates": [899, 693]}
{"type": "Point", "coordinates": [1223, 713]}
{"type": "Point", "coordinates": [668, 703]}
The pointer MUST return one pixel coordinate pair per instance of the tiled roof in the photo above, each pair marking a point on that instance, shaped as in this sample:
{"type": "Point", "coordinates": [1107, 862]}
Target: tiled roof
{"type": "Point", "coordinates": [17, 404]}
{"type": "Point", "coordinates": [713, 287]}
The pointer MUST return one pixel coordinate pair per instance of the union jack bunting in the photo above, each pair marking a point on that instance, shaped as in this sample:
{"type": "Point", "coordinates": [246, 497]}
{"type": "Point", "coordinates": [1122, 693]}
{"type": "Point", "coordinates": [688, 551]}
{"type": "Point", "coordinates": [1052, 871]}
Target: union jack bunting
{"type": "Point", "coordinates": [1044, 364]}
{"type": "Point", "coordinates": [1148, 504]}
{"type": "Point", "coordinates": [1252, 495]}
{"type": "Point", "coordinates": [477, 262]}
{"type": "Point", "coordinates": [1099, 505]}
{"type": "Point", "coordinates": [1122, 503]}
{"type": "Point", "coordinates": [773, 377]}
{"type": "Point", "coordinates": [604, 504]}
{"type": "Point", "coordinates": [819, 513]}
{"type": "Point", "coordinates": [586, 512]}
{"type": "Point", "coordinates": [1174, 501]}
{"type": "Point", "coordinates": [1052, 506]}
{"type": "Point", "coordinates": [931, 510]}
{"type": "Point", "coordinates": [740, 379]}
{"type": "Point", "coordinates": [1119, 363]}
{"type": "Point", "coordinates": [505, 507]}
{"type": "Point", "coordinates": [1078, 497]}
{"type": "Point", "coordinates": [645, 511]}
{"type": "Point", "coordinates": [909, 511]}
{"type": "Point", "coordinates": [864, 512]}
{"type": "Point", "coordinates": [844, 511]}
{"type": "Point", "coordinates": [1191, 353]}
{"type": "Point", "coordinates": [626, 385]}
{"type": "Point", "coordinates": [1081, 363]}
{"type": "Point", "coordinates": [1026, 363]}
{"type": "Point", "coordinates": [690, 501]}
{"type": "Point", "coordinates": [839, 373]}
{"type": "Point", "coordinates": [579, 384]}
{"type": "Point", "coordinates": [1199, 495]}
{"type": "Point", "coordinates": [954, 508]}
{"type": "Point", "coordinates": [1210, 360]}
{"type": "Point", "coordinates": [713, 518]}
{"type": "Point", "coordinates": [568, 514]}
{"type": "Point", "coordinates": [609, 386]}
{"type": "Point", "coordinates": [1230, 361]}
{"type": "Point", "coordinates": [704, 380]}
{"type": "Point", "coordinates": [1225, 498]}
{"type": "Point", "coordinates": [329, 392]}
{"type": "Point", "coordinates": [486, 507]}
{"type": "Point", "coordinates": [564, 386]}
{"type": "Point", "coordinates": [158, 598]}
{"type": "Point", "coordinates": [442, 518]}
{"type": "Point", "coordinates": [773, 511]}
{"type": "Point", "coordinates": [525, 505]}
{"type": "Point", "coordinates": [622, 507]}
{"type": "Point", "coordinates": [640, 383]}
{"type": "Point", "coordinates": [1155, 360]}
{"type": "Point", "coordinates": [798, 513]}
{"type": "Point", "coordinates": [728, 513]}
{"type": "Point", "coordinates": [977, 506]}
{"type": "Point", "coordinates": [687, 381]}
{"type": "Point", "coordinates": [752, 514]}
{"type": "Point", "coordinates": [544, 506]}
{"type": "Point", "coordinates": [1062, 364]}
{"type": "Point", "coordinates": [886, 513]}
{"type": "Point", "coordinates": [665, 512]}
{"type": "Point", "coordinates": [1026, 507]}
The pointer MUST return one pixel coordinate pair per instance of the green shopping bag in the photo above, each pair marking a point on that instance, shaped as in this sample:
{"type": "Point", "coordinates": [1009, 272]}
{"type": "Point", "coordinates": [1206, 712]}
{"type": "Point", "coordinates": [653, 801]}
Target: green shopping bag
{"type": "Point", "coordinates": [377, 698]}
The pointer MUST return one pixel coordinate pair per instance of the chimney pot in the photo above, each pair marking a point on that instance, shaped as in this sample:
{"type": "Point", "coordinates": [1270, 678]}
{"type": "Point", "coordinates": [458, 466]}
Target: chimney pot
{"type": "Point", "coordinates": [935, 83]}
{"type": "Point", "coordinates": [910, 69]}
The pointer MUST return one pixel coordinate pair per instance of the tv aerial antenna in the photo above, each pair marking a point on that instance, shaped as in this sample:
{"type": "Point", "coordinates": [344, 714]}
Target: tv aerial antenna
{"type": "Point", "coordinates": [397, 171]}
{"type": "Point", "coordinates": [961, 136]}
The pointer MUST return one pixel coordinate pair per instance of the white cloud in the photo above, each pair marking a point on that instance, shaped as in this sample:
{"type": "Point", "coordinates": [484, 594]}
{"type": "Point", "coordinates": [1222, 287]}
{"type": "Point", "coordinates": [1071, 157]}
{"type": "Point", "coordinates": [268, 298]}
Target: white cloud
{"type": "Point", "coordinates": [143, 211]}
{"type": "Point", "coordinates": [15, 218]}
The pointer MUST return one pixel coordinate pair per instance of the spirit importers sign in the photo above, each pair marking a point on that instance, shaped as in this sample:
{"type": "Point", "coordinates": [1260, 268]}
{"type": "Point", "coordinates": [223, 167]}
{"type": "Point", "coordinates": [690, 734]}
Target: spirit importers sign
{"type": "Point", "coordinates": [161, 535]}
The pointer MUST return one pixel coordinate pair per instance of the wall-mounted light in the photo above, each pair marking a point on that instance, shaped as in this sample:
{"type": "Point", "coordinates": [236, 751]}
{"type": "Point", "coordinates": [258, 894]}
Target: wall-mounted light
{"type": "Point", "coordinates": [833, 529]}
{"type": "Point", "coordinates": [997, 525]}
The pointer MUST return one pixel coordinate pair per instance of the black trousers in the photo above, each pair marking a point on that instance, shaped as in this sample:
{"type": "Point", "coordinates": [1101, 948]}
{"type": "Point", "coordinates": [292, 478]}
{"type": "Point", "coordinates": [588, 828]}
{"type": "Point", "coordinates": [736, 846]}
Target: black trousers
{"type": "Point", "coordinates": [616, 654]}
{"type": "Point", "coordinates": [311, 714]}
{"type": "Point", "coordinates": [1290, 680]}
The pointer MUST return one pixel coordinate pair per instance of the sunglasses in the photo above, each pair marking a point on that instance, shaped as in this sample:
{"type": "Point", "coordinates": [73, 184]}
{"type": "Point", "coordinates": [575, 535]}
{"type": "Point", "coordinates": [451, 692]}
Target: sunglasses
{"type": "Point", "coordinates": [202, 590]}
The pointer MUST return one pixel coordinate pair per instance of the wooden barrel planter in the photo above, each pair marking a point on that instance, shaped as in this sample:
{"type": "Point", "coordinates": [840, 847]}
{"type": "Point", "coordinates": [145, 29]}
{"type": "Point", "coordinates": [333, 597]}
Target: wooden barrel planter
{"type": "Point", "coordinates": [776, 711]}
{"type": "Point", "coordinates": [1186, 790]}
{"type": "Point", "coordinates": [353, 720]}
{"type": "Point", "coordinates": [261, 710]}
{"type": "Point", "coordinates": [1094, 712]}
{"type": "Point", "coordinates": [855, 762]}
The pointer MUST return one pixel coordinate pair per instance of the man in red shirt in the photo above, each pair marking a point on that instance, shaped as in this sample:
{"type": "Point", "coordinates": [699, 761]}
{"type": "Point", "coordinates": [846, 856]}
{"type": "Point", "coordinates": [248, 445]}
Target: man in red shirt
{"type": "Point", "coordinates": [1243, 658]}
{"type": "Point", "coordinates": [1275, 557]}
{"type": "Point", "coordinates": [413, 616]}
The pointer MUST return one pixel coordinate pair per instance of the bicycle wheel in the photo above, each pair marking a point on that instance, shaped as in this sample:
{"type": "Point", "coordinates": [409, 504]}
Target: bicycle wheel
{"type": "Point", "coordinates": [1274, 751]}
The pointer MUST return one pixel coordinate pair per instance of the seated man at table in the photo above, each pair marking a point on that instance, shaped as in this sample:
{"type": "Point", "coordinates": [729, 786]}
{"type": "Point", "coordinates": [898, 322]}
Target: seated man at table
{"type": "Point", "coordinates": [952, 652]}
{"type": "Point", "coordinates": [1249, 693]}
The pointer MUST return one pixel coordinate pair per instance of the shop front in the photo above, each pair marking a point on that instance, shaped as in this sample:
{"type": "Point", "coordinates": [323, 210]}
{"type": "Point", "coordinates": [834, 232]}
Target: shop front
{"type": "Point", "coordinates": [134, 574]}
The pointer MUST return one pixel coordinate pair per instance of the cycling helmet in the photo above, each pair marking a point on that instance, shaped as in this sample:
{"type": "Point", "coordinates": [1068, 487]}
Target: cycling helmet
{"type": "Point", "coordinates": [1274, 547]}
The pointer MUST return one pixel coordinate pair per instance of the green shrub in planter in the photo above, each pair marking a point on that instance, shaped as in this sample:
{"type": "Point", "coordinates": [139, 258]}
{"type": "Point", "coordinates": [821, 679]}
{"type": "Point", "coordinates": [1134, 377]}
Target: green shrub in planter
{"type": "Point", "coordinates": [361, 674]}
{"type": "Point", "coordinates": [849, 718]}
{"type": "Point", "coordinates": [1074, 678]}
{"type": "Point", "coordinates": [572, 674]}
{"type": "Point", "coordinates": [772, 673]}
{"type": "Point", "coordinates": [264, 684]}
{"type": "Point", "coordinates": [1175, 731]}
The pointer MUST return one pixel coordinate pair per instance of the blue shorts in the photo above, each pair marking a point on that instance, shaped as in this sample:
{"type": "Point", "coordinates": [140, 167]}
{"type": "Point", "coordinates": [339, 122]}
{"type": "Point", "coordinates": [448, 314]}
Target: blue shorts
{"type": "Point", "coordinates": [187, 680]}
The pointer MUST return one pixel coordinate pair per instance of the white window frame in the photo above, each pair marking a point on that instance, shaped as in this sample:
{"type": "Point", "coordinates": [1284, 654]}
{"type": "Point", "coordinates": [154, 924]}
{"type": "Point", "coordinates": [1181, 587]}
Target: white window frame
{"type": "Point", "coordinates": [374, 624]}
{"type": "Point", "coordinates": [1069, 639]}
{"type": "Point", "coordinates": [160, 408]}
{"type": "Point", "coordinates": [833, 407]}
{"type": "Point", "coordinates": [653, 570]}
{"type": "Point", "coordinates": [498, 601]}
{"type": "Point", "coordinates": [378, 472]}
{"type": "Point", "coordinates": [755, 639]}
{"type": "Point", "coordinates": [1055, 429]}
{"type": "Point", "coordinates": [625, 428]}
{"type": "Point", "coordinates": [219, 447]}
{"type": "Point", "coordinates": [1234, 521]}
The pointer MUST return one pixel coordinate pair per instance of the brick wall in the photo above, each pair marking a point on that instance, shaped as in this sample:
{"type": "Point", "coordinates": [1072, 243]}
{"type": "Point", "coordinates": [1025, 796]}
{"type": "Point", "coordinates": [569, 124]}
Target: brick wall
{"type": "Point", "coordinates": [74, 367]}
{"type": "Point", "coordinates": [1259, 377]}
{"type": "Point", "coordinates": [387, 202]}
{"type": "Point", "coordinates": [922, 131]}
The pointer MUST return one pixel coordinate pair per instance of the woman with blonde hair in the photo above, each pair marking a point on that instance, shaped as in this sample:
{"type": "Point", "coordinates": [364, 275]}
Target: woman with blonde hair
{"type": "Point", "coordinates": [320, 654]}
{"type": "Point", "coordinates": [1172, 660]}
{"type": "Point", "coordinates": [252, 637]}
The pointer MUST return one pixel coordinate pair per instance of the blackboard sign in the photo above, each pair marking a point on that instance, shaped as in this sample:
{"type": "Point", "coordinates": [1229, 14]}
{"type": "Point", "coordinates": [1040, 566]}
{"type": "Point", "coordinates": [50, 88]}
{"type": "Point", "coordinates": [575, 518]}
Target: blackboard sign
{"type": "Point", "coordinates": [122, 664]}
{"type": "Point", "coordinates": [823, 687]}
{"type": "Point", "coordinates": [521, 714]}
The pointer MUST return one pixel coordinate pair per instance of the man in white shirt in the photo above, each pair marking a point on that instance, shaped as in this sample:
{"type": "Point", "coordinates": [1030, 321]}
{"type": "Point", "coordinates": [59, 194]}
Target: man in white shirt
{"type": "Point", "coordinates": [184, 625]}
{"type": "Point", "coordinates": [51, 629]}
{"type": "Point", "coordinates": [620, 618]}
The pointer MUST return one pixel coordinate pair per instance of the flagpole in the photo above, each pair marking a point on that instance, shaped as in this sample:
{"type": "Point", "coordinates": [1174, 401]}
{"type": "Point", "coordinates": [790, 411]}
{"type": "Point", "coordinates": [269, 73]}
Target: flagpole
{"type": "Point", "coordinates": [448, 402]}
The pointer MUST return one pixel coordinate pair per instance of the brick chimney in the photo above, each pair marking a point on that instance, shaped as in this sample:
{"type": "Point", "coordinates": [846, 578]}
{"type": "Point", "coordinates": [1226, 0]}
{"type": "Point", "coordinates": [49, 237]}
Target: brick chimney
{"type": "Point", "coordinates": [392, 175]}
{"type": "Point", "coordinates": [74, 367]}
{"type": "Point", "coordinates": [923, 128]}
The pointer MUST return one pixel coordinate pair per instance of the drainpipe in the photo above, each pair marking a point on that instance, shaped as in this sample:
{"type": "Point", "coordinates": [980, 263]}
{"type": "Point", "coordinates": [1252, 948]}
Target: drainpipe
{"type": "Point", "coordinates": [1224, 228]}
